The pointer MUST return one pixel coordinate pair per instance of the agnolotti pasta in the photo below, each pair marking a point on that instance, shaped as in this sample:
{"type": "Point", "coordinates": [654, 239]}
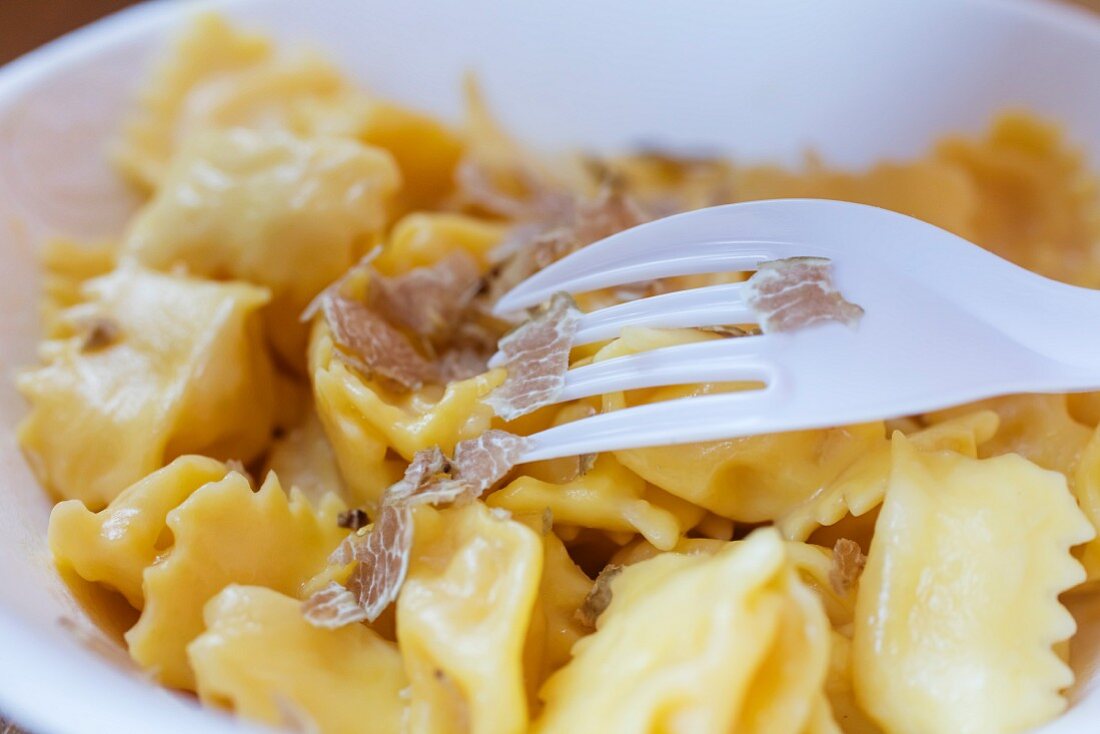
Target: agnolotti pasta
{"type": "Point", "coordinates": [861, 487]}
{"type": "Point", "coordinates": [368, 423]}
{"type": "Point", "coordinates": [306, 297]}
{"type": "Point", "coordinates": [114, 546]}
{"type": "Point", "coordinates": [119, 395]}
{"type": "Point", "coordinates": [609, 497]}
{"type": "Point", "coordinates": [945, 637]}
{"type": "Point", "coordinates": [744, 603]}
{"type": "Point", "coordinates": [259, 656]}
{"type": "Point", "coordinates": [462, 619]}
{"type": "Point", "coordinates": [224, 533]}
{"type": "Point", "coordinates": [286, 213]}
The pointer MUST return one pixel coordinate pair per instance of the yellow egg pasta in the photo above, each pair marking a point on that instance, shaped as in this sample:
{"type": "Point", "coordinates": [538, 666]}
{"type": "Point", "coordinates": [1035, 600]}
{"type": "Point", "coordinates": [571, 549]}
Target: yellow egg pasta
{"type": "Point", "coordinates": [1037, 427]}
{"type": "Point", "coordinates": [66, 266]}
{"type": "Point", "coordinates": [860, 488]}
{"type": "Point", "coordinates": [222, 534]}
{"type": "Point", "coordinates": [204, 53]}
{"type": "Point", "coordinates": [1086, 487]}
{"type": "Point", "coordinates": [259, 657]}
{"type": "Point", "coordinates": [744, 603]}
{"type": "Point", "coordinates": [556, 620]}
{"type": "Point", "coordinates": [462, 620]}
{"type": "Point", "coordinates": [609, 497]}
{"type": "Point", "coordinates": [306, 295]}
{"type": "Point", "coordinates": [128, 368]}
{"type": "Point", "coordinates": [114, 546]}
{"type": "Point", "coordinates": [958, 606]}
{"type": "Point", "coordinates": [751, 479]}
{"type": "Point", "coordinates": [286, 213]}
{"type": "Point", "coordinates": [423, 238]}
{"type": "Point", "coordinates": [303, 459]}
{"type": "Point", "coordinates": [365, 422]}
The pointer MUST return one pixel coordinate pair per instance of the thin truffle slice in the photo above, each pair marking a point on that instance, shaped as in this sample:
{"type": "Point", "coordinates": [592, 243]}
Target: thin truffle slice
{"type": "Point", "coordinates": [478, 464]}
{"type": "Point", "coordinates": [332, 606]}
{"type": "Point", "coordinates": [345, 552]}
{"type": "Point", "coordinates": [796, 292]}
{"type": "Point", "coordinates": [367, 342]}
{"type": "Point", "coordinates": [848, 563]}
{"type": "Point", "coordinates": [383, 557]}
{"type": "Point", "coordinates": [431, 300]}
{"type": "Point", "coordinates": [526, 194]}
{"type": "Point", "coordinates": [426, 464]}
{"type": "Point", "coordinates": [483, 461]}
{"type": "Point", "coordinates": [534, 246]}
{"type": "Point", "coordinates": [536, 355]}
{"type": "Point", "coordinates": [381, 552]}
{"type": "Point", "coordinates": [462, 362]}
{"type": "Point", "coordinates": [612, 211]}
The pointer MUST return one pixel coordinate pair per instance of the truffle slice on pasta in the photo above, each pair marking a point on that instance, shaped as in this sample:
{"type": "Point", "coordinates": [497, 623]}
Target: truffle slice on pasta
{"type": "Point", "coordinates": [429, 300]}
{"type": "Point", "coordinates": [226, 533]}
{"type": "Point", "coordinates": [375, 348]}
{"type": "Point", "coordinates": [958, 606]}
{"type": "Point", "coordinates": [708, 643]}
{"type": "Point", "coordinates": [259, 657]}
{"type": "Point", "coordinates": [120, 393]}
{"type": "Point", "coordinates": [367, 422]}
{"type": "Point", "coordinates": [463, 617]}
{"type": "Point", "coordinates": [381, 551]}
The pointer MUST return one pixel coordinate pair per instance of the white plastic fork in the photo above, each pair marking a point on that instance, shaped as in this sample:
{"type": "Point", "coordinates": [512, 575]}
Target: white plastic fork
{"type": "Point", "coordinates": [945, 323]}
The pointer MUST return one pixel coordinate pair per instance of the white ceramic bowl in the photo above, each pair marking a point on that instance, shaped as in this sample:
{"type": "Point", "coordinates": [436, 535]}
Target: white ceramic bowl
{"type": "Point", "coordinates": [856, 80]}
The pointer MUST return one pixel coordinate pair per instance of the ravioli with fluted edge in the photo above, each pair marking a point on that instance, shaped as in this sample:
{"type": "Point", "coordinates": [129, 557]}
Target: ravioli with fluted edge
{"type": "Point", "coordinates": [225, 532]}
{"type": "Point", "coordinates": [958, 608]}
{"type": "Point", "coordinates": [286, 432]}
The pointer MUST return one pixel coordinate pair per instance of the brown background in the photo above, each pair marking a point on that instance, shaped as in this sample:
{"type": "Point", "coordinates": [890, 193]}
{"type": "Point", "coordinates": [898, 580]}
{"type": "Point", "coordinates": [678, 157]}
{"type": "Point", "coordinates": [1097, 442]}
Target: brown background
{"type": "Point", "coordinates": [25, 24]}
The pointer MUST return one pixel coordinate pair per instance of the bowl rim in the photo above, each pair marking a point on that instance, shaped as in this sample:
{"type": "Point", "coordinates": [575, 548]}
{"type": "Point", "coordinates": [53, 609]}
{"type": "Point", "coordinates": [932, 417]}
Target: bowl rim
{"type": "Point", "coordinates": [21, 686]}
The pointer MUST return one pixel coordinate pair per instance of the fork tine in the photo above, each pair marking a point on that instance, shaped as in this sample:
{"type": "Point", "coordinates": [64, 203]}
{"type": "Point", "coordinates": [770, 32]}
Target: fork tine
{"type": "Point", "coordinates": [715, 305]}
{"type": "Point", "coordinates": [580, 275]}
{"type": "Point", "coordinates": [704, 418]}
{"type": "Point", "coordinates": [723, 238]}
{"type": "Point", "coordinates": [724, 360]}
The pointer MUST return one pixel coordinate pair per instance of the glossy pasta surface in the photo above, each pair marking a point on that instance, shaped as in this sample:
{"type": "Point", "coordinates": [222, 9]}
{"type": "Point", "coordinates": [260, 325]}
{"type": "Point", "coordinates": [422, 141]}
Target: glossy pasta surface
{"type": "Point", "coordinates": [231, 397]}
